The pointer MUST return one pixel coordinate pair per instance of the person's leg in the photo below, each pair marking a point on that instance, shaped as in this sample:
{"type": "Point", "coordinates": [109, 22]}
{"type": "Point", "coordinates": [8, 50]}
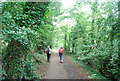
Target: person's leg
{"type": "Point", "coordinates": [47, 57]}
{"type": "Point", "coordinates": [60, 57]}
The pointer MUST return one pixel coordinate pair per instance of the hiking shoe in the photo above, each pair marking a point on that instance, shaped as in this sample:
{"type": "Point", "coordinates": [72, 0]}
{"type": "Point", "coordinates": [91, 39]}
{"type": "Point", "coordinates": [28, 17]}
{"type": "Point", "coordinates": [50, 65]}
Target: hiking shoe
{"type": "Point", "coordinates": [61, 61]}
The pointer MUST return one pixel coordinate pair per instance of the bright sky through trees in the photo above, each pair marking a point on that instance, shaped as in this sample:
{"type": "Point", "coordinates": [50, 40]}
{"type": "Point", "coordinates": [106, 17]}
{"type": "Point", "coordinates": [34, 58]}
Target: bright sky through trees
{"type": "Point", "coordinates": [68, 3]}
{"type": "Point", "coordinates": [3, 0]}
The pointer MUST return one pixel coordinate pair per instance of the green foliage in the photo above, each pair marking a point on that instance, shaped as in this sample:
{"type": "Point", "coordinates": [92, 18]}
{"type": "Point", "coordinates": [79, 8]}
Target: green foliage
{"type": "Point", "coordinates": [93, 73]}
{"type": "Point", "coordinates": [94, 39]}
{"type": "Point", "coordinates": [30, 26]}
{"type": "Point", "coordinates": [22, 35]}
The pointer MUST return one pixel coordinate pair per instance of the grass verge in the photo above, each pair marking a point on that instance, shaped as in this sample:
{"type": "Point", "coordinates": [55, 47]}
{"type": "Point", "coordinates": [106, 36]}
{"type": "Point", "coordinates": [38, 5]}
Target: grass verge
{"type": "Point", "coordinates": [93, 74]}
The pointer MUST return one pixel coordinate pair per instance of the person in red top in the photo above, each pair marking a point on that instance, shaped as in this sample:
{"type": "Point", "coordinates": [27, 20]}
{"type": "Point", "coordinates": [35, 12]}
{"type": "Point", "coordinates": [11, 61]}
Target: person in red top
{"type": "Point", "coordinates": [61, 53]}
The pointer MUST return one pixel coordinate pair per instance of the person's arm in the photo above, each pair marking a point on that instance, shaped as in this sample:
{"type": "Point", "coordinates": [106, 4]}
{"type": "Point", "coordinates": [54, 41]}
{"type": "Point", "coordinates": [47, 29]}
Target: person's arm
{"type": "Point", "coordinates": [50, 50]}
{"type": "Point", "coordinates": [63, 51]}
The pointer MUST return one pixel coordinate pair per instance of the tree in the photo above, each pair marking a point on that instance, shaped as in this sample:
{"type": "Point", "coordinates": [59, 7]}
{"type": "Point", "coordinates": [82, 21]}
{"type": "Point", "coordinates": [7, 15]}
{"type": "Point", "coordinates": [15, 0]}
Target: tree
{"type": "Point", "coordinates": [20, 25]}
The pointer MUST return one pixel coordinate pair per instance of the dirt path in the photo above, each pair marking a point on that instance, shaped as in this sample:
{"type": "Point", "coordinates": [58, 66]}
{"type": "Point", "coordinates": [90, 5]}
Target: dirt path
{"type": "Point", "coordinates": [56, 69]}
{"type": "Point", "coordinates": [66, 70]}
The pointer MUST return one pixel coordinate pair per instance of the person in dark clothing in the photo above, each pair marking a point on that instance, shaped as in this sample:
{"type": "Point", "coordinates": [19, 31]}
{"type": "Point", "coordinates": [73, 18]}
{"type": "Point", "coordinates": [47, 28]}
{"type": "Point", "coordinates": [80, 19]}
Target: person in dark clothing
{"type": "Point", "coordinates": [48, 52]}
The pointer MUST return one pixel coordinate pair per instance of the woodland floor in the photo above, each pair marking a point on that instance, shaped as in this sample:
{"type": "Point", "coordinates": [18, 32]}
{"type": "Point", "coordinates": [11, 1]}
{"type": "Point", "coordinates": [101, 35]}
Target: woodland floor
{"type": "Point", "coordinates": [66, 70]}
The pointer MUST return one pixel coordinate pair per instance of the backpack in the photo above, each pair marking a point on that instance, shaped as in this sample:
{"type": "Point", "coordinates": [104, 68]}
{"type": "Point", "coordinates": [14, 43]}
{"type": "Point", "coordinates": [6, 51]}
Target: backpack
{"type": "Point", "coordinates": [61, 50]}
{"type": "Point", "coordinates": [48, 50]}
